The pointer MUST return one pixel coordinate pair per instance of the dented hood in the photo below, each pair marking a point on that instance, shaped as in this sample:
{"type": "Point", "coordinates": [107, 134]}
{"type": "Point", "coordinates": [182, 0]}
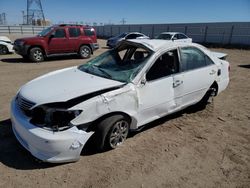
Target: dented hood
{"type": "Point", "coordinates": [63, 85]}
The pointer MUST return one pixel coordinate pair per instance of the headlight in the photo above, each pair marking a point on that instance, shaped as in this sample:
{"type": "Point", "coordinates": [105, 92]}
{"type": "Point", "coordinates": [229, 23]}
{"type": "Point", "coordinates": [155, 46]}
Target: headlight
{"type": "Point", "coordinates": [55, 118]}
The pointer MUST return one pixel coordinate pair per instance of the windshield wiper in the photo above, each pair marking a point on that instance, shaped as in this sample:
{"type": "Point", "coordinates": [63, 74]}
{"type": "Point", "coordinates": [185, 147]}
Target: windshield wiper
{"type": "Point", "coordinates": [103, 71]}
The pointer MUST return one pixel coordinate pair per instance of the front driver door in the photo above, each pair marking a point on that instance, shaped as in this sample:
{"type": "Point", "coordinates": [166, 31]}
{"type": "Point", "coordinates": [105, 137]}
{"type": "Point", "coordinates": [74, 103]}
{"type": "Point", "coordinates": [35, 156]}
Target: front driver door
{"type": "Point", "coordinates": [58, 42]}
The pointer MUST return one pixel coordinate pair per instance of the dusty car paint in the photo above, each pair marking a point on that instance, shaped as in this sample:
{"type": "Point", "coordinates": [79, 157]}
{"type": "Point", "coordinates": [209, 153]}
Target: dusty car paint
{"type": "Point", "coordinates": [140, 99]}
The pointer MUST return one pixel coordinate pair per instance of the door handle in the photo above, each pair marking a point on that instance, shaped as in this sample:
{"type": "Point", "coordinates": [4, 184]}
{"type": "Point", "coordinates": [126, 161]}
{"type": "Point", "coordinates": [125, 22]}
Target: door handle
{"type": "Point", "coordinates": [212, 72]}
{"type": "Point", "coordinates": [177, 83]}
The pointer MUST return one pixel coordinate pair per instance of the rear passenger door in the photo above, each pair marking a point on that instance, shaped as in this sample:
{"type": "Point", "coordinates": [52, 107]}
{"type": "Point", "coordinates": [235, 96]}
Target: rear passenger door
{"type": "Point", "coordinates": [197, 74]}
{"type": "Point", "coordinates": [74, 34]}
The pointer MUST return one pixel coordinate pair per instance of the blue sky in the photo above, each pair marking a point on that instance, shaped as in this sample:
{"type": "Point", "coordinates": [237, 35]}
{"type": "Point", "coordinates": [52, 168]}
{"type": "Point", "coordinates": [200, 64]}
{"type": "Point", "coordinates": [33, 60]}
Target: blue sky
{"type": "Point", "coordinates": [134, 11]}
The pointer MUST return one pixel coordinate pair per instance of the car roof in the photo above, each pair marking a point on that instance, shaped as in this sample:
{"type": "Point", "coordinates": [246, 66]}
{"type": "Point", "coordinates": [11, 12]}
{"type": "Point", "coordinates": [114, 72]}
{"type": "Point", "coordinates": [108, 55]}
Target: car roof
{"type": "Point", "coordinates": [134, 33]}
{"type": "Point", "coordinates": [158, 44]}
{"type": "Point", "coordinates": [172, 33]}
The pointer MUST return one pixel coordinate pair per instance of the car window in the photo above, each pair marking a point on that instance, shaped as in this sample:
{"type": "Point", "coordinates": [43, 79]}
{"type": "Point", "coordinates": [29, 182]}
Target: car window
{"type": "Point", "coordinates": [74, 32]}
{"type": "Point", "coordinates": [139, 35]}
{"type": "Point", "coordinates": [192, 58]}
{"type": "Point", "coordinates": [165, 65]}
{"type": "Point", "coordinates": [131, 36]}
{"type": "Point", "coordinates": [175, 37]}
{"type": "Point", "coordinates": [164, 36]}
{"type": "Point", "coordinates": [59, 33]}
{"type": "Point", "coordinates": [209, 61]}
{"type": "Point", "coordinates": [89, 32]}
{"type": "Point", "coordinates": [181, 36]}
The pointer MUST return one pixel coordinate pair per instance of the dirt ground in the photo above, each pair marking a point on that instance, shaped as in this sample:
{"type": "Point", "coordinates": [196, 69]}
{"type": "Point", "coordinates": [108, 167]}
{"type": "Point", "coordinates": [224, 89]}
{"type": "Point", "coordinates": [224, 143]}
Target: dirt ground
{"type": "Point", "coordinates": [206, 148]}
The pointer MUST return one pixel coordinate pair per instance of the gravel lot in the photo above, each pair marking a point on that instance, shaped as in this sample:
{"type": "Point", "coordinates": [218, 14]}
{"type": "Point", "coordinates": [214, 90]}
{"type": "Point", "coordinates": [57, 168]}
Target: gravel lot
{"type": "Point", "coordinates": [207, 148]}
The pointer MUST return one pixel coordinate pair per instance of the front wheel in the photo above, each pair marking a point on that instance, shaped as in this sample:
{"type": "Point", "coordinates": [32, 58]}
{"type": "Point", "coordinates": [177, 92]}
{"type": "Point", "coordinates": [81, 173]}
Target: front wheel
{"type": "Point", "coordinates": [85, 52]}
{"type": "Point", "coordinates": [112, 132]}
{"type": "Point", "coordinates": [36, 54]}
{"type": "Point", "coordinates": [3, 50]}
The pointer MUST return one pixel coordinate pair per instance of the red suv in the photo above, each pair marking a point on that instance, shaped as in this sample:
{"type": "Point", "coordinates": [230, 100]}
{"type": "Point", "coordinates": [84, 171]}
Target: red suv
{"type": "Point", "coordinates": [58, 39]}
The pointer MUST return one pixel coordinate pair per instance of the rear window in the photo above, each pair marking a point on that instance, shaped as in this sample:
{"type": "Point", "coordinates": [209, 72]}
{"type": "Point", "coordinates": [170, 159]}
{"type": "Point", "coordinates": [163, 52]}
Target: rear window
{"type": "Point", "coordinates": [89, 32]}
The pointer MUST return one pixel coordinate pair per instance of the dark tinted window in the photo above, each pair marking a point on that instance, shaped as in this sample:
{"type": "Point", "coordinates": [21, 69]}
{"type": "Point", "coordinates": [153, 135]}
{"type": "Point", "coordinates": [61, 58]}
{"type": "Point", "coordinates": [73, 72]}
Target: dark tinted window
{"type": "Point", "coordinates": [181, 36]}
{"type": "Point", "coordinates": [74, 32]}
{"type": "Point", "coordinates": [59, 33]}
{"type": "Point", "coordinates": [164, 36]}
{"type": "Point", "coordinates": [192, 58]}
{"type": "Point", "coordinates": [131, 36]}
{"type": "Point", "coordinates": [165, 65]}
{"type": "Point", "coordinates": [89, 32]}
{"type": "Point", "coordinates": [209, 61]}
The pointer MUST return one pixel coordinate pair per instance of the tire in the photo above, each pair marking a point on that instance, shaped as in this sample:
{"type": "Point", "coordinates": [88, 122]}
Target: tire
{"type": "Point", "coordinates": [112, 132]}
{"type": "Point", "coordinates": [208, 97]}
{"type": "Point", "coordinates": [36, 54]}
{"type": "Point", "coordinates": [25, 57]}
{"type": "Point", "coordinates": [3, 50]}
{"type": "Point", "coordinates": [84, 52]}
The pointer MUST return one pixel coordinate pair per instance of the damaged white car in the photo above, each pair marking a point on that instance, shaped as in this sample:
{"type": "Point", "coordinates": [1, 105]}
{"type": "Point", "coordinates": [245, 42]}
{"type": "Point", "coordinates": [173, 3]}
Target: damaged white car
{"type": "Point", "coordinates": [53, 116]}
{"type": "Point", "coordinates": [6, 46]}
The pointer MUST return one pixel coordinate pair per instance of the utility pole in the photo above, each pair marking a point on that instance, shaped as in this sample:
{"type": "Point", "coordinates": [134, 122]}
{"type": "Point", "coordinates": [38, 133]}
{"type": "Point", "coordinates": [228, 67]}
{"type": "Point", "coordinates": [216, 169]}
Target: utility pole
{"type": "Point", "coordinates": [123, 21]}
{"type": "Point", "coordinates": [3, 19]}
{"type": "Point", "coordinates": [35, 13]}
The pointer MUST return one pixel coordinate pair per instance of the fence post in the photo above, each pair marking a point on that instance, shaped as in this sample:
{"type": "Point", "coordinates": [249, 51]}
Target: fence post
{"type": "Point", "coordinates": [111, 31]}
{"type": "Point", "coordinates": [186, 29]}
{"type": "Point", "coordinates": [9, 29]}
{"type": "Point", "coordinates": [153, 31]}
{"type": "Point", "coordinates": [231, 35]}
{"type": "Point", "coordinates": [103, 31]}
{"type": "Point", "coordinates": [22, 30]}
{"type": "Point", "coordinates": [205, 34]}
{"type": "Point", "coordinates": [33, 30]}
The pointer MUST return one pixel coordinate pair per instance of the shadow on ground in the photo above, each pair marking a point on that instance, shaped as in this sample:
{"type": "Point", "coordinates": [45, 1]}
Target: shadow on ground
{"type": "Point", "coordinates": [15, 156]}
{"type": "Point", "coordinates": [245, 66]}
{"type": "Point", "coordinates": [54, 58]}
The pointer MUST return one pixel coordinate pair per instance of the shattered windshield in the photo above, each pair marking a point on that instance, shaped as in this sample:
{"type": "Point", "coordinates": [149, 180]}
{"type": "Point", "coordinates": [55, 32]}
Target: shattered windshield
{"type": "Point", "coordinates": [45, 32]}
{"type": "Point", "coordinates": [121, 64]}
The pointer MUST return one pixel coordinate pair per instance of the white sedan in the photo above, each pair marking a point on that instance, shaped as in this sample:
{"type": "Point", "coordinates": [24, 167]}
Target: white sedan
{"type": "Point", "coordinates": [53, 116]}
{"type": "Point", "coordinates": [113, 41]}
{"type": "Point", "coordinates": [6, 46]}
{"type": "Point", "coordinates": [174, 36]}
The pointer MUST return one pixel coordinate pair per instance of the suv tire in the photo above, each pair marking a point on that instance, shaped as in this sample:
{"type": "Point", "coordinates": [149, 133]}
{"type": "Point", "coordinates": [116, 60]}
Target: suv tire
{"type": "Point", "coordinates": [36, 54]}
{"type": "Point", "coordinates": [85, 52]}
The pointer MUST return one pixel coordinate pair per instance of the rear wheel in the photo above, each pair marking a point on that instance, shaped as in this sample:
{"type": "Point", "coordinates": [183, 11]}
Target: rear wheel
{"type": "Point", "coordinates": [36, 54]}
{"type": "Point", "coordinates": [112, 132]}
{"type": "Point", "coordinates": [3, 50]}
{"type": "Point", "coordinates": [85, 52]}
{"type": "Point", "coordinates": [208, 97]}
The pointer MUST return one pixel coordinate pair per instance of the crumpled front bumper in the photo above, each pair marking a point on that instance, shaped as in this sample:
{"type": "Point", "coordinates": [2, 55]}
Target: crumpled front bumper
{"type": "Point", "coordinates": [46, 145]}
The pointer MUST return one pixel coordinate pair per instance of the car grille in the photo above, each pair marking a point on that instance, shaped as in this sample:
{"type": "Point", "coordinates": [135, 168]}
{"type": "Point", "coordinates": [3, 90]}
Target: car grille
{"type": "Point", "coordinates": [24, 104]}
